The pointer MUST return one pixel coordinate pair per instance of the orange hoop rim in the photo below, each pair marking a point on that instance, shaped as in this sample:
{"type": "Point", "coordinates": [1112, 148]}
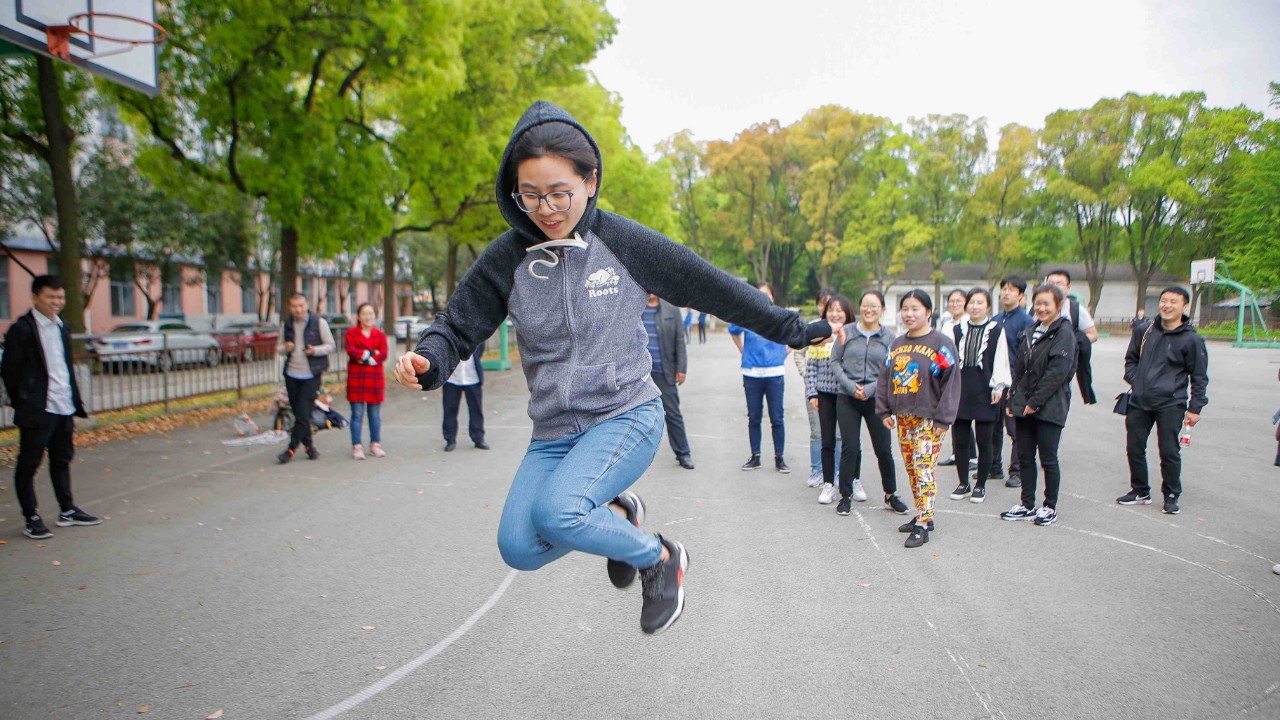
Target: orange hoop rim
{"type": "Point", "coordinates": [159, 33]}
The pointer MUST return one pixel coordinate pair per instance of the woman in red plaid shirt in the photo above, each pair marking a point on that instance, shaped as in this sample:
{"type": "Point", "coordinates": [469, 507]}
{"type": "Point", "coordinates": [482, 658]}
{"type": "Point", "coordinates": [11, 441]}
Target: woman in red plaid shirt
{"type": "Point", "coordinates": [366, 384]}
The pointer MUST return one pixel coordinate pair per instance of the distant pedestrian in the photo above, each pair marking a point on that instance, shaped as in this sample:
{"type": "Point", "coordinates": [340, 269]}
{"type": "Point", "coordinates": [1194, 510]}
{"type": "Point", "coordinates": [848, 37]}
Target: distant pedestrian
{"type": "Point", "coordinates": [984, 375]}
{"type": "Point", "coordinates": [467, 380]}
{"type": "Point", "coordinates": [702, 328]}
{"type": "Point", "coordinates": [1039, 399]}
{"type": "Point", "coordinates": [306, 343]}
{"type": "Point", "coordinates": [1167, 366]}
{"type": "Point", "coordinates": [918, 392]}
{"type": "Point", "coordinates": [947, 320]}
{"type": "Point", "coordinates": [822, 389]}
{"type": "Point", "coordinates": [820, 351]}
{"type": "Point", "coordinates": [667, 347]}
{"type": "Point", "coordinates": [41, 382]}
{"type": "Point", "coordinates": [1016, 320]}
{"type": "Point", "coordinates": [1138, 318]}
{"type": "Point", "coordinates": [858, 358]}
{"type": "Point", "coordinates": [764, 372]}
{"type": "Point", "coordinates": [1086, 333]}
{"type": "Point", "coordinates": [366, 347]}
{"type": "Point", "coordinates": [688, 325]}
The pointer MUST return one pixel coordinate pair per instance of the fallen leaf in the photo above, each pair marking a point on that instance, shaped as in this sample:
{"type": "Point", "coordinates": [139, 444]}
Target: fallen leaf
{"type": "Point", "coordinates": [106, 469]}
{"type": "Point", "coordinates": [937, 554]}
{"type": "Point", "coordinates": [4, 542]}
{"type": "Point", "coordinates": [379, 667]}
{"type": "Point", "coordinates": [218, 529]}
{"type": "Point", "coordinates": [368, 627]}
{"type": "Point", "coordinates": [431, 472]}
{"type": "Point", "coordinates": [864, 584]}
{"type": "Point", "coordinates": [57, 562]}
{"type": "Point", "coordinates": [144, 709]}
{"type": "Point", "coordinates": [200, 524]}
{"type": "Point", "coordinates": [83, 586]}
{"type": "Point", "coordinates": [214, 715]}
{"type": "Point", "coordinates": [306, 537]}
{"type": "Point", "coordinates": [421, 491]}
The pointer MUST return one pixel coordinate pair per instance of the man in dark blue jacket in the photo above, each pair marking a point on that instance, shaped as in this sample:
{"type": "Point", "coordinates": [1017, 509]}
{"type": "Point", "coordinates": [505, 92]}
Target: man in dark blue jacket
{"type": "Point", "coordinates": [1016, 319]}
{"type": "Point", "coordinates": [1167, 366]}
{"type": "Point", "coordinates": [41, 382]}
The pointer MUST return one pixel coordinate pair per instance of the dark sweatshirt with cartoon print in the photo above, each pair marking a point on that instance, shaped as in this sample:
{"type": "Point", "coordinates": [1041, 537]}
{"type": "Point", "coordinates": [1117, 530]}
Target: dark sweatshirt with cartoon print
{"type": "Point", "coordinates": [578, 311]}
{"type": "Point", "coordinates": [920, 379]}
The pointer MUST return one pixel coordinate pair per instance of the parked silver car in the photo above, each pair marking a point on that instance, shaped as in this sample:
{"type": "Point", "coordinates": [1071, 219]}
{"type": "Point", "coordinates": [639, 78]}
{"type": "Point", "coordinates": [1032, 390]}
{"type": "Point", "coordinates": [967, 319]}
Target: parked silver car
{"type": "Point", "coordinates": [413, 324]}
{"type": "Point", "coordinates": [160, 344]}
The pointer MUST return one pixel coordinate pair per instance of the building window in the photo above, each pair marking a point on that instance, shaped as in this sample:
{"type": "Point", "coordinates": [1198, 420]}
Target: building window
{"type": "Point", "coordinates": [351, 296]}
{"type": "Point", "coordinates": [52, 266]}
{"type": "Point", "coordinates": [4, 287]}
{"type": "Point", "coordinates": [213, 292]}
{"type": "Point", "coordinates": [171, 292]}
{"type": "Point", "coordinates": [308, 289]}
{"type": "Point", "coordinates": [331, 295]}
{"type": "Point", "coordinates": [248, 293]}
{"type": "Point", "coordinates": [121, 274]}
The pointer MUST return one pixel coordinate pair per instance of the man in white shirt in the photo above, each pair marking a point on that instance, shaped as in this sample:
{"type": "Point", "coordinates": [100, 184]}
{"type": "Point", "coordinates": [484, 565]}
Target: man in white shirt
{"type": "Point", "coordinates": [467, 380]}
{"type": "Point", "coordinates": [42, 389]}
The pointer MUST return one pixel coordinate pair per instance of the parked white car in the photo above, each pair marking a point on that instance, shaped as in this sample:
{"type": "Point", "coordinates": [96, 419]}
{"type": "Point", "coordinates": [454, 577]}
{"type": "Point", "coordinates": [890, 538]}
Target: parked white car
{"type": "Point", "coordinates": [161, 344]}
{"type": "Point", "coordinates": [412, 323]}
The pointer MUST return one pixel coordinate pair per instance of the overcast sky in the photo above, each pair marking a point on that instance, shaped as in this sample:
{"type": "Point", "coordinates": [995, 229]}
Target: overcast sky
{"type": "Point", "coordinates": [716, 67]}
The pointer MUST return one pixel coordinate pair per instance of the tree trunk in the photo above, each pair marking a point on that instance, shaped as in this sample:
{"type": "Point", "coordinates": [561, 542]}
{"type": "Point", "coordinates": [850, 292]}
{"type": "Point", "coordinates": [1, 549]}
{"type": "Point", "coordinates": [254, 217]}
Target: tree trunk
{"type": "Point", "coordinates": [288, 263]}
{"type": "Point", "coordinates": [1144, 280]}
{"type": "Point", "coordinates": [451, 271]}
{"type": "Point", "coordinates": [389, 285]}
{"type": "Point", "coordinates": [61, 139]}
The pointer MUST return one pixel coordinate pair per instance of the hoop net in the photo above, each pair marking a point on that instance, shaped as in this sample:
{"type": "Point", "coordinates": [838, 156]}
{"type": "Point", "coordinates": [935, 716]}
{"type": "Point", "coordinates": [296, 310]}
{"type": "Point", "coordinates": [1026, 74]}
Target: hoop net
{"type": "Point", "coordinates": [59, 36]}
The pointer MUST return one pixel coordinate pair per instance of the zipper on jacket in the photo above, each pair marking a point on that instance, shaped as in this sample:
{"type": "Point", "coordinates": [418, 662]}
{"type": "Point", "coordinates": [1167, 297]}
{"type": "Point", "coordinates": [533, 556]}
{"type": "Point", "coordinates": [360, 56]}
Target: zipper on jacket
{"type": "Point", "coordinates": [568, 324]}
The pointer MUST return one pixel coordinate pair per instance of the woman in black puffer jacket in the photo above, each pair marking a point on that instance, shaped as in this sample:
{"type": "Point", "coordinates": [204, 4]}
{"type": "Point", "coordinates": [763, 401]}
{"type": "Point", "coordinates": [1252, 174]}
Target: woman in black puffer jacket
{"type": "Point", "coordinates": [1039, 400]}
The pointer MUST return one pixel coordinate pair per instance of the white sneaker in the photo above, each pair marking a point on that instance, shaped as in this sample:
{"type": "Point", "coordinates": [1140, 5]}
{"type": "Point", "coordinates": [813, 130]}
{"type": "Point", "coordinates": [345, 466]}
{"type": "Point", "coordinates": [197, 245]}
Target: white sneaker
{"type": "Point", "coordinates": [828, 494]}
{"type": "Point", "coordinates": [815, 479]}
{"type": "Point", "coordinates": [858, 493]}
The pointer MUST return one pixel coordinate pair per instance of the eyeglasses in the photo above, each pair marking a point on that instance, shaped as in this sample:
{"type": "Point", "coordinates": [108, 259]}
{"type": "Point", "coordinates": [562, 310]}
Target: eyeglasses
{"type": "Point", "coordinates": [557, 201]}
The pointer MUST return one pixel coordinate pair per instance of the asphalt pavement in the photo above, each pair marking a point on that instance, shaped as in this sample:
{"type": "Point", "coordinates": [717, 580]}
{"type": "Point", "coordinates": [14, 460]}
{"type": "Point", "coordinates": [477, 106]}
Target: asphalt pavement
{"type": "Point", "coordinates": [221, 580]}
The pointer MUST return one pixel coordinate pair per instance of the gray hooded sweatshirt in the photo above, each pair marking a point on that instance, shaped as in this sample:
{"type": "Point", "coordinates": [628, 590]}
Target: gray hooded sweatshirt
{"type": "Point", "coordinates": [578, 312]}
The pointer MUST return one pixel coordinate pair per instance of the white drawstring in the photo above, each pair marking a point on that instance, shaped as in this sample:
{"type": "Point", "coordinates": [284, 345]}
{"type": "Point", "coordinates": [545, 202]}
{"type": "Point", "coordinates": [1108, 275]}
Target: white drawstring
{"type": "Point", "coordinates": [575, 241]}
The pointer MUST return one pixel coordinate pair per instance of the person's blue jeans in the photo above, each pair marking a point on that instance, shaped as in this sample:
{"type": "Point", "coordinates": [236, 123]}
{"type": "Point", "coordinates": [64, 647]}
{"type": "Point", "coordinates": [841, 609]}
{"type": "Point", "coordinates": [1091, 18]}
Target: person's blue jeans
{"type": "Point", "coordinates": [758, 391]}
{"type": "Point", "coordinates": [559, 498]}
{"type": "Point", "coordinates": [357, 422]}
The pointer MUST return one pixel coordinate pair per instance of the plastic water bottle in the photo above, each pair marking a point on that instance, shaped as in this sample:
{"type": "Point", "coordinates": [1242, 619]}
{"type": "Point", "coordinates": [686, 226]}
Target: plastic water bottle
{"type": "Point", "coordinates": [1184, 437]}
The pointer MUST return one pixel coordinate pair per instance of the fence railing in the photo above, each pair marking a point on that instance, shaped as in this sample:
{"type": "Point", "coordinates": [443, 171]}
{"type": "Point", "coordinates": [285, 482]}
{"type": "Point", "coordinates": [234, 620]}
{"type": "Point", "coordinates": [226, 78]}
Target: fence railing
{"type": "Point", "coordinates": [115, 375]}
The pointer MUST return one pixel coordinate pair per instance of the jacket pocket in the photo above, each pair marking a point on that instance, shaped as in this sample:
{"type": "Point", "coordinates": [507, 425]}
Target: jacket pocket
{"type": "Point", "coordinates": [594, 388]}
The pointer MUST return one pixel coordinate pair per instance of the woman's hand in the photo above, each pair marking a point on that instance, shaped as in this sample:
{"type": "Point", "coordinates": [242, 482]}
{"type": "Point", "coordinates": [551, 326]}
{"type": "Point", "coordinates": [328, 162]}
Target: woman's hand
{"type": "Point", "coordinates": [813, 403]}
{"type": "Point", "coordinates": [409, 367]}
{"type": "Point", "coordinates": [890, 423]}
{"type": "Point", "coordinates": [859, 392]}
{"type": "Point", "coordinates": [995, 396]}
{"type": "Point", "coordinates": [1028, 411]}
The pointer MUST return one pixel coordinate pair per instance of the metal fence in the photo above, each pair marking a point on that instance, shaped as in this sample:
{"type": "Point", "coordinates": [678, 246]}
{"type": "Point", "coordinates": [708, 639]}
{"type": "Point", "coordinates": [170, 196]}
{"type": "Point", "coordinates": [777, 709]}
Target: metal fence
{"type": "Point", "coordinates": [171, 371]}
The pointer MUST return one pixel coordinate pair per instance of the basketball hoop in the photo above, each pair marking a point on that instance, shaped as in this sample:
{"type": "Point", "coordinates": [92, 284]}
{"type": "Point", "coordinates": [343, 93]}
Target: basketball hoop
{"type": "Point", "coordinates": [59, 42]}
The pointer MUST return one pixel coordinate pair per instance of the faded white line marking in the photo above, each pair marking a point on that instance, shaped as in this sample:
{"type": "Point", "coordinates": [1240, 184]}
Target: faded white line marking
{"type": "Point", "coordinates": [401, 672]}
{"type": "Point", "coordinates": [681, 520]}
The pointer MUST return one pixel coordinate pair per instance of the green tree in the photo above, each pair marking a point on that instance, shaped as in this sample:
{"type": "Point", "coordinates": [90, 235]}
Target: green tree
{"type": "Point", "coordinates": [997, 215]}
{"type": "Point", "coordinates": [883, 229]}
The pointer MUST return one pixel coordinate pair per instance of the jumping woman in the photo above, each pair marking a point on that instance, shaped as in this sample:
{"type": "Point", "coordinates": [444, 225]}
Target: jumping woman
{"type": "Point", "coordinates": [575, 280]}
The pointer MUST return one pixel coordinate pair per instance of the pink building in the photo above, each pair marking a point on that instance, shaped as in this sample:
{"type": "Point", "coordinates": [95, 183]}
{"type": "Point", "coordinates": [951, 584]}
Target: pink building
{"type": "Point", "coordinates": [115, 296]}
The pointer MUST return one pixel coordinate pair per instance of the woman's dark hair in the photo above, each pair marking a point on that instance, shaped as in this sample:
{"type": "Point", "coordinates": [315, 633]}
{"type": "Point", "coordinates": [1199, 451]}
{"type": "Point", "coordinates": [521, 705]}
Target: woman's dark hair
{"type": "Point", "coordinates": [878, 295]}
{"type": "Point", "coordinates": [362, 306]}
{"type": "Point", "coordinates": [769, 287]}
{"type": "Point", "coordinates": [957, 290]}
{"type": "Point", "coordinates": [978, 291]}
{"type": "Point", "coordinates": [920, 295]}
{"type": "Point", "coordinates": [825, 295]}
{"type": "Point", "coordinates": [1053, 290]}
{"type": "Point", "coordinates": [844, 304]}
{"type": "Point", "coordinates": [554, 139]}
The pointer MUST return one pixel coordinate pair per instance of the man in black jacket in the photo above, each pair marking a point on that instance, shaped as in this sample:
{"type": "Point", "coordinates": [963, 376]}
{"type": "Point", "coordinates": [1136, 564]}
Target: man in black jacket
{"type": "Point", "coordinates": [1167, 367]}
{"type": "Point", "coordinates": [41, 383]}
{"type": "Point", "coordinates": [668, 346]}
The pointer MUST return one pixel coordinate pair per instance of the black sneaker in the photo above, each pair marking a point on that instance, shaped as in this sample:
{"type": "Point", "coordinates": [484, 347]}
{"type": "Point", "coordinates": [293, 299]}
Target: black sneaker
{"type": "Point", "coordinates": [781, 465]}
{"type": "Point", "coordinates": [664, 589]}
{"type": "Point", "coordinates": [1171, 505]}
{"type": "Point", "coordinates": [685, 461]}
{"type": "Point", "coordinates": [961, 492]}
{"type": "Point", "coordinates": [979, 494]}
{"type": "Point", "coordinates": [621, 574]}
{"type": "Point", "coordinates": [1014, 481]}
{"type": "Point", "coordinates": [482, 445]}
{"type": "Point", "coordinates": [76, 516]}
{"type": "Point", "coordinates": [1018, 513]}
{"type": "Point", "coordinates": [450, 446]}
{"type": "Point", "coordinates": [313, 453]}
{"type": "Point", "coordinates": [752, 464]}
{"type": "Point", "coordinates": [285, 456]}
{"type": "Point", "coordinates": [911, 524]}
{"type": "Point", "coordinates": [893, 503]}
{"type": "Point", "coordinates": [1133, 497]}
{"type": "Point", "coordinates": [845, 507]}
{"type": "Point", "coordinates": [36, 529]}
{"type": "Point", "coordinates": [948, 462]}
{"type": "Point", "coordinates": [918, 537]}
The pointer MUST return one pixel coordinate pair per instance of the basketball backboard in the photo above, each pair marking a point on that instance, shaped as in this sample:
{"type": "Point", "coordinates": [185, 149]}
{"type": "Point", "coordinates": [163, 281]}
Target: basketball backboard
{"type": "Point", "coordinates": [1203, 271]}
{"type": "Point", "coordinates": [25, 22]}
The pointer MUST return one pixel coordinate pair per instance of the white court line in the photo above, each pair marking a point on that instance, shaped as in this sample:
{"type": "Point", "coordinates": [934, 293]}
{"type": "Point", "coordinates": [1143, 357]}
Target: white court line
{"type": "Point", "coordinates": [401, 672]}
{"type": "Point", "coordinates": [170, 479]}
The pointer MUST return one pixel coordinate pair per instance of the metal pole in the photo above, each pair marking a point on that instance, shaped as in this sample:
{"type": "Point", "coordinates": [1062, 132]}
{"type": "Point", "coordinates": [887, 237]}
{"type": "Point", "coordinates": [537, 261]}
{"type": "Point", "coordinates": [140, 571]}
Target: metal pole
{"type": "Point", "coordinates": [164, 369]}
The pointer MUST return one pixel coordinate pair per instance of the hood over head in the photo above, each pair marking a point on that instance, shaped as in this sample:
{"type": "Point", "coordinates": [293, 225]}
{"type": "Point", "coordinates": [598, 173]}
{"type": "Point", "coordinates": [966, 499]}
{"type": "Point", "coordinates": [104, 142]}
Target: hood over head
{"type": "Point", "coordinates": [539, 113]}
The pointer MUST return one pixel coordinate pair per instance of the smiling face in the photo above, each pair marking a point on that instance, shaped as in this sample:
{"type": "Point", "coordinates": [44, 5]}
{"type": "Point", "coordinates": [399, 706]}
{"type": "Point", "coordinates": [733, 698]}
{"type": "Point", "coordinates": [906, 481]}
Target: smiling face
{"type": "Point", "coordinates": [955, 304]}
{"type": "Point", "coordinates": [552, 173]}
{"type": "Point", "coordinates": [1045, 307]}
{"type": "Point", "coordinates": [870, 309]}
{"type": "Point", "coordinates": [914, 315]}
{"type": "Point", "coordinates": [1172, 306]}
{"type": "Point", "coordinates": [836, 315]}
{"type": "Point", "coordinates": [367, 316]}
{"type": "Point", "coordinates": [298, 307]}
{"type": "Point", "coordinates": [49, 301]}
{"type": "Point", "coordinates": [978, 307]}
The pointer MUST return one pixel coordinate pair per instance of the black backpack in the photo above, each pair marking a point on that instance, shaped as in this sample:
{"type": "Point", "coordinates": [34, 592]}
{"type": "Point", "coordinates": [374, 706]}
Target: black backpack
{"type": "Point", "coordinates": [1084, 356]}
